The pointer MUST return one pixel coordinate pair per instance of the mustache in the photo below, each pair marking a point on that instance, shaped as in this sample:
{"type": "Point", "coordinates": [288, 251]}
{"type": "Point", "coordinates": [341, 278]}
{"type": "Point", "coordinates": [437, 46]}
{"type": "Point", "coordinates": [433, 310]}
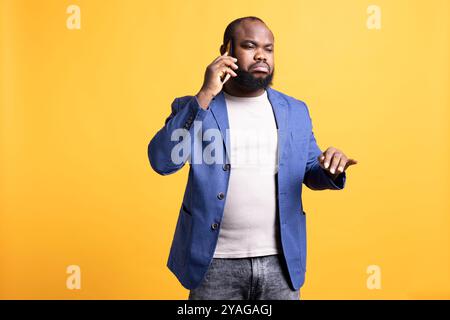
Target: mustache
{"type": "Point", "coordinates": [260, 64]}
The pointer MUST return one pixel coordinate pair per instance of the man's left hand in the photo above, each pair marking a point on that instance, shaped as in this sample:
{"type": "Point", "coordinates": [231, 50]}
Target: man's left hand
{"type": "Point", "coordinates": [334, 161]}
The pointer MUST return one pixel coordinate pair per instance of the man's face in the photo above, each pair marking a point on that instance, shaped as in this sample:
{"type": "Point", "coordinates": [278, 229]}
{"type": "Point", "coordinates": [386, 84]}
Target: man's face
{"type": "Point", "coordinates": [254, 49]}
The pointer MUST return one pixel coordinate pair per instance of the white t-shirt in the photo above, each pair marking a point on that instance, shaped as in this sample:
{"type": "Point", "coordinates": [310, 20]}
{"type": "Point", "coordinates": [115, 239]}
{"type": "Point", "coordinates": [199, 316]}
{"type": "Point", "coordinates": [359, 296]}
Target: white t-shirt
{"type": "Point", "coordinates": [250, 225]}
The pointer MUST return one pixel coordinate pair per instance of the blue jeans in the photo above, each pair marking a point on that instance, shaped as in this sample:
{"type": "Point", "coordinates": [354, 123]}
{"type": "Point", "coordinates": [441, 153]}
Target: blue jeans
{"type": "Point", "coordinates": [252, 278]}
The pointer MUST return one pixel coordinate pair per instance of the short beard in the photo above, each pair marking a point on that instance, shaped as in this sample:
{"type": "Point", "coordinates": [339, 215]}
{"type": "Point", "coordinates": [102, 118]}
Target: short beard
{"type": "Point", "coordinates": [248, 82]}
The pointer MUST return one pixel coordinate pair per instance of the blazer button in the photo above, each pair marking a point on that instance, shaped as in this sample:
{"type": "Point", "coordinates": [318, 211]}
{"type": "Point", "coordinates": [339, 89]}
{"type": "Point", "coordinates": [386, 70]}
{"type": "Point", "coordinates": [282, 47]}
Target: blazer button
{"type": "Point", "coordinates": [226, 167]}
{"type": "Point", "coordinates": [214, 226]}
{"type": "Point", "coordinates": [221, 195]}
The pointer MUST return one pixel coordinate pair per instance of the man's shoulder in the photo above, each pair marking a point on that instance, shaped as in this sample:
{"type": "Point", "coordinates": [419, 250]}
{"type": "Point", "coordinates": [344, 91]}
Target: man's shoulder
{"type": "Point", "coordinates": [183, 99]}
{"type": "Point", "coordinates": [292, 101]}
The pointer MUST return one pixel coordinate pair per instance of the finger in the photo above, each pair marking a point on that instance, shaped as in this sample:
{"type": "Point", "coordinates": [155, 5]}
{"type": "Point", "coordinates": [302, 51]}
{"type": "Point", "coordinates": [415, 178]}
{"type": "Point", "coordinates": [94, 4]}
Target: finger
{"type": "Point", "coordinates": [228, 76]}
{"type": "Point", "coordinates": [228, 63]}
{"type": "Point", "coordinates": [228, 70]}
{"type": "Point", "coordinates": [342, 164]}
{"type": "Point", "coordinates": [321, 158]}
{"type": "Point", "coordinates": [225, 56]}
{"type": "Point", "coordinates": [217, 59]}
{"type": "Point", "coordinates": [328, 156]}
{"type": "Point", "coordinates": [334, 162]}
{"type": "Point", "coordinates": [350, 162]}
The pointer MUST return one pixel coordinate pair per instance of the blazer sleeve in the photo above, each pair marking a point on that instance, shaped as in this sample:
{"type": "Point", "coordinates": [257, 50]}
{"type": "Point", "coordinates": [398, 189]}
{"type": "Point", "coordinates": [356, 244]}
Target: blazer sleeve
{"type": "Point", "coordinates": [316, 178]}
{"type": "Point", "coordinates": [179, 124]}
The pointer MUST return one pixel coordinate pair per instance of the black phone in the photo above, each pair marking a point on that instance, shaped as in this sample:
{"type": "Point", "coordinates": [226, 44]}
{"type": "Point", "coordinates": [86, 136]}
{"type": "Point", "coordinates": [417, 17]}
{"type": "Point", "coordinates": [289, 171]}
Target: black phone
{"type": "Point", "coordinates": [229, 49]}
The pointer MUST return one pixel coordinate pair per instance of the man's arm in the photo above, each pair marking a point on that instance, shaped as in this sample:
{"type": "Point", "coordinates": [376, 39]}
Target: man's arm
{"type": "Point", "coordinates": [325, 170]}
{"type": "Point", "coordinates": [160, 147]}
{"type": "Point", "coordinates": [317, 178]}
{"type": "Point", "coordinates": [185, 112]}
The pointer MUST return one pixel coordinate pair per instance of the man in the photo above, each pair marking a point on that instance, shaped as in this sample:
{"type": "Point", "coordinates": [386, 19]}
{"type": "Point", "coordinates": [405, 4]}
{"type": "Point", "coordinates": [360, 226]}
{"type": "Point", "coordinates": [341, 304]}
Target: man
{"type": "Point", "coordinates": [241, 229]}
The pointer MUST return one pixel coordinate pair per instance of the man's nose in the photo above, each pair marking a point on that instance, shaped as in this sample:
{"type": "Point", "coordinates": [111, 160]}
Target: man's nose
{"type": "Point", "coordinates": [260, 56]}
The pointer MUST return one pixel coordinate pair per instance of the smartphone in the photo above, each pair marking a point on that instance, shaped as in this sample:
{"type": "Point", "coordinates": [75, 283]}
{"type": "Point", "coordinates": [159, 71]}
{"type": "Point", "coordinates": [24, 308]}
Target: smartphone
{"type": "Point", "coordinates": [229, 49]}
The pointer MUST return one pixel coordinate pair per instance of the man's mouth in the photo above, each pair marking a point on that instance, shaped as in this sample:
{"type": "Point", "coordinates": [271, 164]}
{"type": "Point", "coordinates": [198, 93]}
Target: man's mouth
{"type": "Point", "coordinates": [260, 68]}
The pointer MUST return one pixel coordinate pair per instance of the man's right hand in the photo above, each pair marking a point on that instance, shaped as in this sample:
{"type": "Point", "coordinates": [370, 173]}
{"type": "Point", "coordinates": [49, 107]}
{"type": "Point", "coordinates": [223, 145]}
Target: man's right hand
{"type": "Point", "coordinates": [221, 67]}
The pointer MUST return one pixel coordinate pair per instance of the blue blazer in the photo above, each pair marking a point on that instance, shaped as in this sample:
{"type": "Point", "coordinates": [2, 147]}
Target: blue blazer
{"type": "Point", "coordinates": [201, 211]}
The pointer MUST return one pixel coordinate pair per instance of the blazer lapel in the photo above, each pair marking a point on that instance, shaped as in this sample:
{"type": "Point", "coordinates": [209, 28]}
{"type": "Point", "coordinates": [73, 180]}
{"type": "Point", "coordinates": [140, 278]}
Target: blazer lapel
{"type": "Point", "coordinates": [220, 114]}
{"type": "Point", "coordinates": [279, 107]}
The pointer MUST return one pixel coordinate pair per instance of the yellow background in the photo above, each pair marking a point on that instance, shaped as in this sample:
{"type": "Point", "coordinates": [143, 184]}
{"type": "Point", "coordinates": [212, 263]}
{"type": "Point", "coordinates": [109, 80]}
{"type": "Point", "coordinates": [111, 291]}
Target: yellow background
{"type": "Point", "coordinates": [78, 108]}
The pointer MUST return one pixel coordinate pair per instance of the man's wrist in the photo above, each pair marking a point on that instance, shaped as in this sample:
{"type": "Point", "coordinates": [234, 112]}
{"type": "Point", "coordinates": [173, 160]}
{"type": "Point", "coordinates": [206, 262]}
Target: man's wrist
{"type": "Point", "coordinates": [333, 176]}
{"type": "Point", "coordinates": [204, 98]}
